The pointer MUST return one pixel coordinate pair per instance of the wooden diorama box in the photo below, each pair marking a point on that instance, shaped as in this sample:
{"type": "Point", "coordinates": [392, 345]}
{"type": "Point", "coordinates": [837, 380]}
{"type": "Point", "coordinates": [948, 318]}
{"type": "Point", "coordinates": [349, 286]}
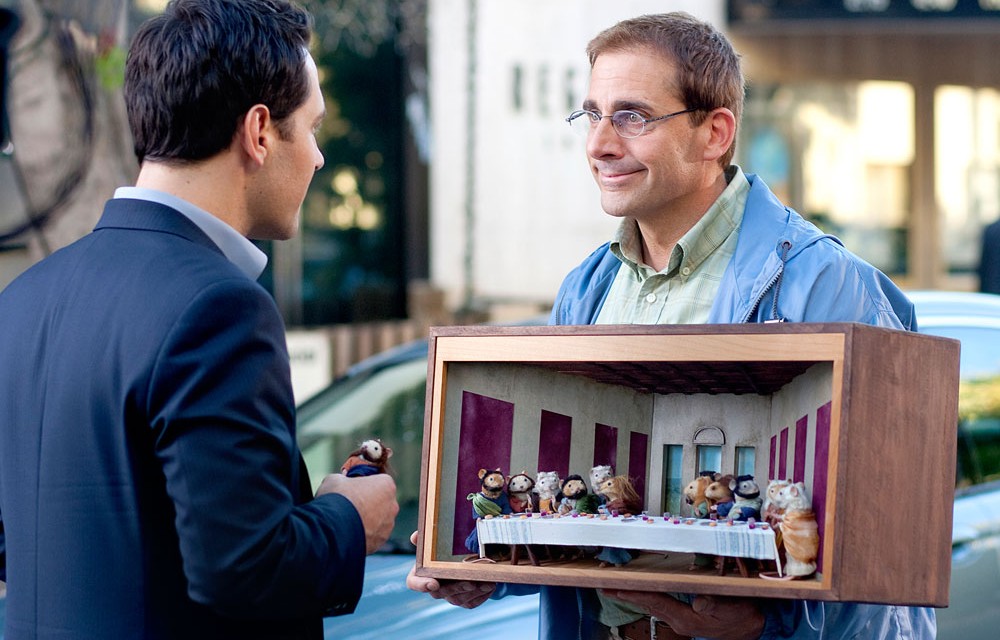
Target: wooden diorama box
{"type": "Point", "coordinates": [864, 417]}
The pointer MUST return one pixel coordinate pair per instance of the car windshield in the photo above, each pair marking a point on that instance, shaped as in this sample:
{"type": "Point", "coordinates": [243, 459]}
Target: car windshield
{"type": "Point", "coordinates": [979, 398]}
{"type": "Point", "coordinates": [384, 402]}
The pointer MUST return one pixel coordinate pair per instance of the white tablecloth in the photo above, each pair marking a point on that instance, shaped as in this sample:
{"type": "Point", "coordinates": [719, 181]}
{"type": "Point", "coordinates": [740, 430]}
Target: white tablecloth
{"type": "Point", "coordinates": [656, 534]}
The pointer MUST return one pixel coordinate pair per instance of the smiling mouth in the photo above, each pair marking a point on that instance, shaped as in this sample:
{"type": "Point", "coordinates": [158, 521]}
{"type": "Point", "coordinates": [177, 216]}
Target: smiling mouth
{"type": "Point", "coordinates": [612, 178]}
{"type": "Point", "coordinates": [614, 170]}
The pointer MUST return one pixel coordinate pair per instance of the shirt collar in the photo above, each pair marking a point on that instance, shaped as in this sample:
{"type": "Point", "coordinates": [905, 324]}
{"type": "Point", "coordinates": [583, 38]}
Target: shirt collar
{"type": "Point", "coordinates": [237, 249]}
{"type": "Point", "coordinates": [719, 221]}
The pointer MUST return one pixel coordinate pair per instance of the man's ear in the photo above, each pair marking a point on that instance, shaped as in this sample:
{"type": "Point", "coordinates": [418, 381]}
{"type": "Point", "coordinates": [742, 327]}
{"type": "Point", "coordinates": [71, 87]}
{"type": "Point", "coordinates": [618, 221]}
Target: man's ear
{"type": "Point", "coordinates": [254, 133]}
{"type": "Point", "coordinates": [721, 131]}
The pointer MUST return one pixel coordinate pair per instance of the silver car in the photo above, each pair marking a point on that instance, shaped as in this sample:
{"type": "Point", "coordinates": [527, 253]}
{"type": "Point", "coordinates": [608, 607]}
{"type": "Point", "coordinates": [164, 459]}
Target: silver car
{"type": "Point", "coordinates": [974, 319]}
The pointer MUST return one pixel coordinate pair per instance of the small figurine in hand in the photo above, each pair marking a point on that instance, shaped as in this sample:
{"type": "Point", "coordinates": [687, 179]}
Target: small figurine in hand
{"type": "Point", "coordinates": [799, 531]}
{"type": "Point", "coordinates": [547, 485]}
{"type": "Point", "coordinates": [491, 501]}
{"type": "Point", "coordinates": [746, 502]}
{"type": "Point", "coordinates": [519, 489]}
{"type": "Point", "coordinates": [368, 459]}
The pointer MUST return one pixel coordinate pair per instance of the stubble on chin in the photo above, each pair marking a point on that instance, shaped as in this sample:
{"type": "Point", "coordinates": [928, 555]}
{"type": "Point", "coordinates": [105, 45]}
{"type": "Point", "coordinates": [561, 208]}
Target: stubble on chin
{"type": "Point", "coordinates": [614, 204]}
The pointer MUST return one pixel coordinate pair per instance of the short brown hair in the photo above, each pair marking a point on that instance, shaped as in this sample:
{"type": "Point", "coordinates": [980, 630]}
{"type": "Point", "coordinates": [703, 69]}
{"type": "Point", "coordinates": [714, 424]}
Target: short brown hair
{"type": "Point", "coordinates": [193, 71]}
{"type": "Point", "coordinates": [708, 69]}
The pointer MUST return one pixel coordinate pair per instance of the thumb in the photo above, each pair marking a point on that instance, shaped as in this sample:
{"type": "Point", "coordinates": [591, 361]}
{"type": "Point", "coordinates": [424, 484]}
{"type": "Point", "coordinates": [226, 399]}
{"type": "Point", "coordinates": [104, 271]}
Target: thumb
{"type": "Point", "coordinates": [704, 605]}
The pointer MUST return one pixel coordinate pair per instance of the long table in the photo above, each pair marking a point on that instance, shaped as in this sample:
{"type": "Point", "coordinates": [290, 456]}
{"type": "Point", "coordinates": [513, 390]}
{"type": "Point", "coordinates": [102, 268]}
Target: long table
{"type": "Point", "coordinates": [688, 535]}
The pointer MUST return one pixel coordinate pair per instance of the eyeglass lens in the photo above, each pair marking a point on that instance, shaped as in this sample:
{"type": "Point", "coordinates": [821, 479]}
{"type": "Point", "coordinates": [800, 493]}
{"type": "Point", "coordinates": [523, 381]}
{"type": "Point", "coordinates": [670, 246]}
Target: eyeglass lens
{"type": "Point", "coordinates": [628, 124]}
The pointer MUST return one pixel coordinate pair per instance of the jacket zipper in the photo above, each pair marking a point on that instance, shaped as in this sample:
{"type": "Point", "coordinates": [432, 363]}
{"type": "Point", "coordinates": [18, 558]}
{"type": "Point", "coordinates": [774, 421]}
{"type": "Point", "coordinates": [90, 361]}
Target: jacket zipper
{"type": "Point", "coordinates": [775, 282]}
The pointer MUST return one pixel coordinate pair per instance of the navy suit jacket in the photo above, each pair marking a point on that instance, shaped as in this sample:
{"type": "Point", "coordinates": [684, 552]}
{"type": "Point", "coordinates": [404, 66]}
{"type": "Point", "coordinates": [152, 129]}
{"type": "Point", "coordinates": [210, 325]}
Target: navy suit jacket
{"type": "Point", "coordinates": [150, 482]}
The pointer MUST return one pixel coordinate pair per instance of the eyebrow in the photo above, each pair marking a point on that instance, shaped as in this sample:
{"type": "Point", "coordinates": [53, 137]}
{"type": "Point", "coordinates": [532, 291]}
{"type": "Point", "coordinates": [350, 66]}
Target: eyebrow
{"type": "Point", "coordinates": [319, 119]}
{"type": "Point", "coordinates": [620, 105]}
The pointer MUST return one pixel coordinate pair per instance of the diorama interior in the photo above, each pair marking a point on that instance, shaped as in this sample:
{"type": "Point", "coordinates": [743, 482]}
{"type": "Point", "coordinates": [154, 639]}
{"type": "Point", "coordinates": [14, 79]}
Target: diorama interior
{"type": "Point", "coordinates": [658, 423]}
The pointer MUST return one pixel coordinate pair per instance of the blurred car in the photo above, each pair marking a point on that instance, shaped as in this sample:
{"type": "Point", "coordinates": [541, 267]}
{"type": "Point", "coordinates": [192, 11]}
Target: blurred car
{"type": "Point", "coordinates": [385, 395]}
{"type": "Point", "coordinates": [974, 319]}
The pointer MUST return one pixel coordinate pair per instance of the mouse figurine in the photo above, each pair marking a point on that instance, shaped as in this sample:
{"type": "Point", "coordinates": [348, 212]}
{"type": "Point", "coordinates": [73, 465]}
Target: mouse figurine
{"type": "Point", "coordinates": [773, 511]}
{"type": "Point", "coordinates": [746, 498]}
{"type": "Point", "coordinates": [491, 501]}
{"type": "Point", "coordinates": [720, 499]}
{"type": "Point", "coordinates": [370, 458]}
{"type": "Point", "coordinates": [519, 488]}
{"type": "Point", "coordinates": [799, 531]}
{"type": "Point", "coordinates": [694, 494]}
{"type": "Point", "coordinates": [572, 494]}
{"type": "Point", "coordinates": [623, 499]}
{"type": "Point", "coordinates": [547, 485]}
{"type": "Point", "coordinates": [598, 475]}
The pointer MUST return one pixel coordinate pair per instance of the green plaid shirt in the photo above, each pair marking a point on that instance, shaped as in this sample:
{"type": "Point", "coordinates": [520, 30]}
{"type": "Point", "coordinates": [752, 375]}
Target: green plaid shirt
{"type": "Point", "coordinates": [684, 291]}
{"type": "Point", "coordinates": [689, 283]}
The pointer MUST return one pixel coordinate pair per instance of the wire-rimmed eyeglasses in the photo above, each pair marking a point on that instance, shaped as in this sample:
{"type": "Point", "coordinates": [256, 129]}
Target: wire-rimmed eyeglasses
{"type": "Point", "coordinates": [626, 123]}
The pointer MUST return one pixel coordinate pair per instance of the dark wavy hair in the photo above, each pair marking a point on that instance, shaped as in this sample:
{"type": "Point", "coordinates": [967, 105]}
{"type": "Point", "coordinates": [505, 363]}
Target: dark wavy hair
{"type": "Point", "coordinates": [193, 72]}
{"type": "Point", "coordinates": [708, 69]}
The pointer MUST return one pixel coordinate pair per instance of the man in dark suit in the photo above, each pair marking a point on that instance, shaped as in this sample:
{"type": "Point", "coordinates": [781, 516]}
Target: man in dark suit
{"type": "Point", "coordinates": [150, 482]}
{"type": "Point", "coordinates": [989, 261]}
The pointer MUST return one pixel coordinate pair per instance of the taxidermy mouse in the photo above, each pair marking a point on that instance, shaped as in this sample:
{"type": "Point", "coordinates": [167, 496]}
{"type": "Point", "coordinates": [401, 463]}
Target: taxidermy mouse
{"type": "Point", "coordinates": [772, 512]}
{"type": "Point", "coordinates": [547, 487]}
{"type": "Point", "coordinates": [621, 495]}
{"type": "Point", "coordinates": [519, 488]}
{"type": "Point", "coordinates": [572, 492]}
{"type": "Point", "coordinates": [623, 498]}
{"type": "Point", "coordinates": [368, 459]}
{"type": "Point", "coordinates": [799, 532]}
{"type": "Point", "coordinates": [491, 501]}
{"type": "Point", "coordinates": [746, 501]}
{"type": "Point", "coordinates": [694, 494]}
{"type": "Point", "coordinates": [720, 498]}
{"type": "Point", "coordinates": [598, 475]}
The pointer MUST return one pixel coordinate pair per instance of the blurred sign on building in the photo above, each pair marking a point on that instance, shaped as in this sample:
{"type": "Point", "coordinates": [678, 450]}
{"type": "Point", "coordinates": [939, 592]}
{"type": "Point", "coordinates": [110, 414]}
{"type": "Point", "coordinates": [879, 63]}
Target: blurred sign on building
{"type": "Point", "coordinates": [755, 11]}
{"type": "Point", "coordinates": [310, 358]}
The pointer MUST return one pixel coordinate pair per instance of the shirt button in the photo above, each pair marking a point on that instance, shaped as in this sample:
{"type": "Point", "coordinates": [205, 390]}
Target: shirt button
{"type": "Point", "coordinates": [651, 298]}
{"type": "Point", "coordinates": [686, 271]}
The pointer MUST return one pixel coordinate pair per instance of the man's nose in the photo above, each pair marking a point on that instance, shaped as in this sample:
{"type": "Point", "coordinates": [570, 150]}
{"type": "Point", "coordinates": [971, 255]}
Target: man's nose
{"type": "Point", "coordinates": [603, 140]}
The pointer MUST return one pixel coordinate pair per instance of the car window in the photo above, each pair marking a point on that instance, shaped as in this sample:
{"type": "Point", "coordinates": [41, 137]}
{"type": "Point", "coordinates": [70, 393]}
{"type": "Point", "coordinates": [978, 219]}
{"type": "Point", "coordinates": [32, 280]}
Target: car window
{"type": "Point", "coordinates": [387, 404]}
{"type": "Point", "coordinates": [979, 402]}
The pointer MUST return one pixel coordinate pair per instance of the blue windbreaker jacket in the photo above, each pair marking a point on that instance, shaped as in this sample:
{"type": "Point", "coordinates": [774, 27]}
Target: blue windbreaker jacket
{"type": "Point", "coordinates": [784, 268]}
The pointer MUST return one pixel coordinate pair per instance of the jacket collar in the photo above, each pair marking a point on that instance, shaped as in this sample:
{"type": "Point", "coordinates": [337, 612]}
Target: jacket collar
{"type": "Point", "coordinates": [768, 224]}
{"type": "Point", "coordinates": [144, 215]}
{"type": "Point", "coordinates": [771, 234]}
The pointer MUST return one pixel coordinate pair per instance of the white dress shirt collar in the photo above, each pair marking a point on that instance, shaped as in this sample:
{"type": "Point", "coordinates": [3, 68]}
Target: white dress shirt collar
{"type": "Point", "coordinates": [237, 249]}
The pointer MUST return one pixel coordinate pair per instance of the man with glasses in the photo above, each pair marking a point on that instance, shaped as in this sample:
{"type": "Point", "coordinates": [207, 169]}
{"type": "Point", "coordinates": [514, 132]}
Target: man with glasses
{"type": "Point", "coordinates": [699, 242]}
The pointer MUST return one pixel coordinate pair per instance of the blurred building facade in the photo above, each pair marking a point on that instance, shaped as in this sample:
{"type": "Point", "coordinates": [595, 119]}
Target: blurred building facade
{"type": "Point", "coordinates": [453, 183]}
{"type": "Point", "coordinates": [889, 114]}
